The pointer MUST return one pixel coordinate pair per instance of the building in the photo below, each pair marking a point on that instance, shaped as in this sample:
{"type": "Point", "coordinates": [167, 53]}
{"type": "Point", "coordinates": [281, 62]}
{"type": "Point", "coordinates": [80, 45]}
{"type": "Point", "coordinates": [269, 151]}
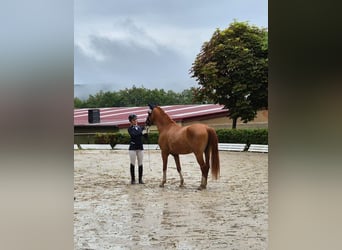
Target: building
{"type": "Point", "coordinates": [116, 118]}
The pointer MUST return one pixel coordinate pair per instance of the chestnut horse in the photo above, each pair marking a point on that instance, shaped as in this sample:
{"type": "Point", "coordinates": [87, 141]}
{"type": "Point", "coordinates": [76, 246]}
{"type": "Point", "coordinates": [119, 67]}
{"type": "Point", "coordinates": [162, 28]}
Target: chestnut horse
{"type": "Point", "coordinates": [175, 140]}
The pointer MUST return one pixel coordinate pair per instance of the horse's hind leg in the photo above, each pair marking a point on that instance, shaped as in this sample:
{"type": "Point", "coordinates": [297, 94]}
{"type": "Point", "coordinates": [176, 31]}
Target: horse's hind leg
{"type": "Point", "coordinates": [179, 169]}
{"type": "Point", "coordinates": [204, 169]}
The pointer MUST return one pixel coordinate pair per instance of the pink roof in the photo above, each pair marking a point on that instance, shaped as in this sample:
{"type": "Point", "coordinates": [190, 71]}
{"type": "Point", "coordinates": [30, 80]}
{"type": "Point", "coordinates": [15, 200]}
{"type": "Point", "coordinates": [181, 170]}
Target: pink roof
{"type": "Point", "coordinates": [118, 116]}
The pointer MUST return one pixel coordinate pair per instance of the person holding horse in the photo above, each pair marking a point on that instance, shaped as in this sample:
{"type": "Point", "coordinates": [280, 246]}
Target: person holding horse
{"type": "Point", "coordinates": [136, 148]}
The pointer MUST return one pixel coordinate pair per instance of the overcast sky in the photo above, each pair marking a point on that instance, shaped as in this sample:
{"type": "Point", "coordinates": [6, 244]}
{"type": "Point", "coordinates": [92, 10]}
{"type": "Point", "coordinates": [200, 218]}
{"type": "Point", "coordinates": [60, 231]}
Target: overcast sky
{"type": "Point", "coordinates": [150, 43]}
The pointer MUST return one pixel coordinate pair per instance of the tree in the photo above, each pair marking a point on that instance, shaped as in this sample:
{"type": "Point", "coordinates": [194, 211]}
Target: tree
{"type": "Point", "coordinates": [232, 69]}
{"type": "Point", "coordinates": [135, 96]}
{"type": "Point", "coordinates": [77, 102]}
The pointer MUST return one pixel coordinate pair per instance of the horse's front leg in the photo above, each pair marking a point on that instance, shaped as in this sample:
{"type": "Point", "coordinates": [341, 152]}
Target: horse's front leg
{"type": "Point", "coordinates": [164, 157]}
{"type": "Point", "coordinates": [179, 169]}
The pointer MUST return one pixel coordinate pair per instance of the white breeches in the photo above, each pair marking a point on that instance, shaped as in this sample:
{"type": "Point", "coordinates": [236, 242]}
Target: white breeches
{"type": "Point", "coordinates": [136, 154]}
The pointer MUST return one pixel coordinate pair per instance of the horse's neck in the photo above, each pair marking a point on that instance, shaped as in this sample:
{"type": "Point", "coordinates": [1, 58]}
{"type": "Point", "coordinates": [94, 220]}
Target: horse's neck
{"type": "Point", "coordinates": [164, 121]}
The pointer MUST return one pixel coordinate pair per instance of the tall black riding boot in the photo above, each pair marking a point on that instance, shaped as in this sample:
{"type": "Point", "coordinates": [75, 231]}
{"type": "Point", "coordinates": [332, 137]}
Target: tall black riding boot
{"type": "Point", "coordinates": [141, 174]}
{"type": "Point", "coordinates": [132, 174]}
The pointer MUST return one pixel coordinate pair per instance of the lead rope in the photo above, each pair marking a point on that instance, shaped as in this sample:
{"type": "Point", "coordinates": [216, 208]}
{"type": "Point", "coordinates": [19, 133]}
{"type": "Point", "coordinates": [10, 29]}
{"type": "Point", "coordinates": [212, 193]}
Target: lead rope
{"type": "Point", "coordinates": [148, 149]}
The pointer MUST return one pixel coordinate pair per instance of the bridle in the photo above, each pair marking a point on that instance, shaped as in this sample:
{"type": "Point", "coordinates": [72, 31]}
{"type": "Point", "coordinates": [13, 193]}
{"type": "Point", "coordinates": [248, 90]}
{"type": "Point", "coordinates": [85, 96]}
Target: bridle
{"type": "Point", "coordinates": [148, 119]}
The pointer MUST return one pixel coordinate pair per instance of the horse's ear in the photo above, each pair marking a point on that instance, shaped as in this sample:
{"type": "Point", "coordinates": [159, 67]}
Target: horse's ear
{"type": "Point", "coordinates": [151, 106]}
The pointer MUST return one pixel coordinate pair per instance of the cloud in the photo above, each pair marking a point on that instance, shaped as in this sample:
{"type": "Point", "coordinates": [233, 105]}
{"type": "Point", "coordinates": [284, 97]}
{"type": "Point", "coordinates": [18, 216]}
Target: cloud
{"type": "Point", "coordinates": [151, 42]}
{"type": "Point", "coordinates": [112, 62]}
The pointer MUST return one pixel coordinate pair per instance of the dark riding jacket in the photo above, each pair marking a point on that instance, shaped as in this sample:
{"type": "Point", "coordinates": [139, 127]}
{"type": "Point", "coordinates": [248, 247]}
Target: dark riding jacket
{"type": "Point", "coordinates": [136, 134]}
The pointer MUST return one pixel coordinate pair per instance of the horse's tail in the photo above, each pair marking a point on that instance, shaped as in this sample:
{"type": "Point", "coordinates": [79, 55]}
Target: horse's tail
{"type": "Point", "coordinates": [213, 145]}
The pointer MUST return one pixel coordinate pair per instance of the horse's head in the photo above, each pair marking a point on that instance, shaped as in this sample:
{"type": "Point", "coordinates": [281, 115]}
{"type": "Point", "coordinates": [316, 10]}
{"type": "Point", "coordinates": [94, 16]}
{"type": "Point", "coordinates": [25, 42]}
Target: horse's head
{"type": "Point", "coordinates": [149, 119]}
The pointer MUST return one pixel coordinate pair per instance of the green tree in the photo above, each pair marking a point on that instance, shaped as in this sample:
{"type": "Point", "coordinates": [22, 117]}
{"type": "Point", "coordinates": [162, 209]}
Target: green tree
{"type": "Point", "coordinates": [232, 69]}
{"type": "Point", "coordinates": [78, 102]}
{"type": "Point", "coordinates": [136, 96]}
{"type": "Point", "coordinates": [187, 97]}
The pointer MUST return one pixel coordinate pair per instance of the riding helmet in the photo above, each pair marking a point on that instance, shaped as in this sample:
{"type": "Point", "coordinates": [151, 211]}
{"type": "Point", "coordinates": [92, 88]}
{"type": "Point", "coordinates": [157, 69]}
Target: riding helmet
{"type": "Point", "coordinates": [132, 117]}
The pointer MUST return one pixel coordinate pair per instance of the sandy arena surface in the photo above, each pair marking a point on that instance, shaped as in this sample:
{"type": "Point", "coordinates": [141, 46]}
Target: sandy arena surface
{"type": "Point", "coordinates": [110, 213]}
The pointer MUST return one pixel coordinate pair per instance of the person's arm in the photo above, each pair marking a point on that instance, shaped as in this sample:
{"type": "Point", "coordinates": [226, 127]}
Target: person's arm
{"type": "Point", "coordinates": [145, 132]}
{"type": "Point", "coordinates": [134, 132]}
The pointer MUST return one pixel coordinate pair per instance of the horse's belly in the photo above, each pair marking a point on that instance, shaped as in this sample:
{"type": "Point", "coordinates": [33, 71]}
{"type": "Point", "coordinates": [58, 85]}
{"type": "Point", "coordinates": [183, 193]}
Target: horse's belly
{"type": "Point", "coordinates": [181, 149]}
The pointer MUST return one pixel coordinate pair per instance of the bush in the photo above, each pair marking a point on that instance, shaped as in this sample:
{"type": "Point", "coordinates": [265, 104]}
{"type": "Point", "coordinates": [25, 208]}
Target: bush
{"type": "Point", "coordinates": [152, 138]}
{"type": "Point", "coordinates": [248, 136]}
{"type": "Point", "coordinates": [111, 138]}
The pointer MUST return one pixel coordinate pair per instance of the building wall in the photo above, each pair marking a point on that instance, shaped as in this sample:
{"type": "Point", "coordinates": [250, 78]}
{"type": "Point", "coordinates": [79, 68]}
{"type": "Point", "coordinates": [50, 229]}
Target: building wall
{"type": "Point", "coordinates": [261, 121]}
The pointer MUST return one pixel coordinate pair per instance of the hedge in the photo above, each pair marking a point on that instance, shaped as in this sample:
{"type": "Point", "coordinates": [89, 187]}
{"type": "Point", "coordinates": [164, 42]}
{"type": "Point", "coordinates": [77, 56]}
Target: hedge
{"type": "Point", "coordinates": [248, 136]}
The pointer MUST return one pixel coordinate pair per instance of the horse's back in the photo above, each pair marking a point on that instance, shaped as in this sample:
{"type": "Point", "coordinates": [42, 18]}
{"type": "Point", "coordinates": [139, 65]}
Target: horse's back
{"type": "Point", "coordinates": [196, 130]}
{"type": "Point", "coordinates": [184, 140]}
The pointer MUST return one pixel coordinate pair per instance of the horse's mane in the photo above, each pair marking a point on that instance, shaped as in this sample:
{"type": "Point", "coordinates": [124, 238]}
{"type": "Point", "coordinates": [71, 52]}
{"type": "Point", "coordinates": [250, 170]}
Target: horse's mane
{"type": "Point", "coordinates": [164, 115]}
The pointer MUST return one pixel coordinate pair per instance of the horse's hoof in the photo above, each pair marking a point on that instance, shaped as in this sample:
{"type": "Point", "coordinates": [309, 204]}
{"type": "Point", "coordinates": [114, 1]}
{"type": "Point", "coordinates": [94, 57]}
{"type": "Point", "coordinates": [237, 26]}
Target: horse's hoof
{"type": "Point", "coordinates": [161, 185]}
{"type": "Point", "coordinates": [201, 187]}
